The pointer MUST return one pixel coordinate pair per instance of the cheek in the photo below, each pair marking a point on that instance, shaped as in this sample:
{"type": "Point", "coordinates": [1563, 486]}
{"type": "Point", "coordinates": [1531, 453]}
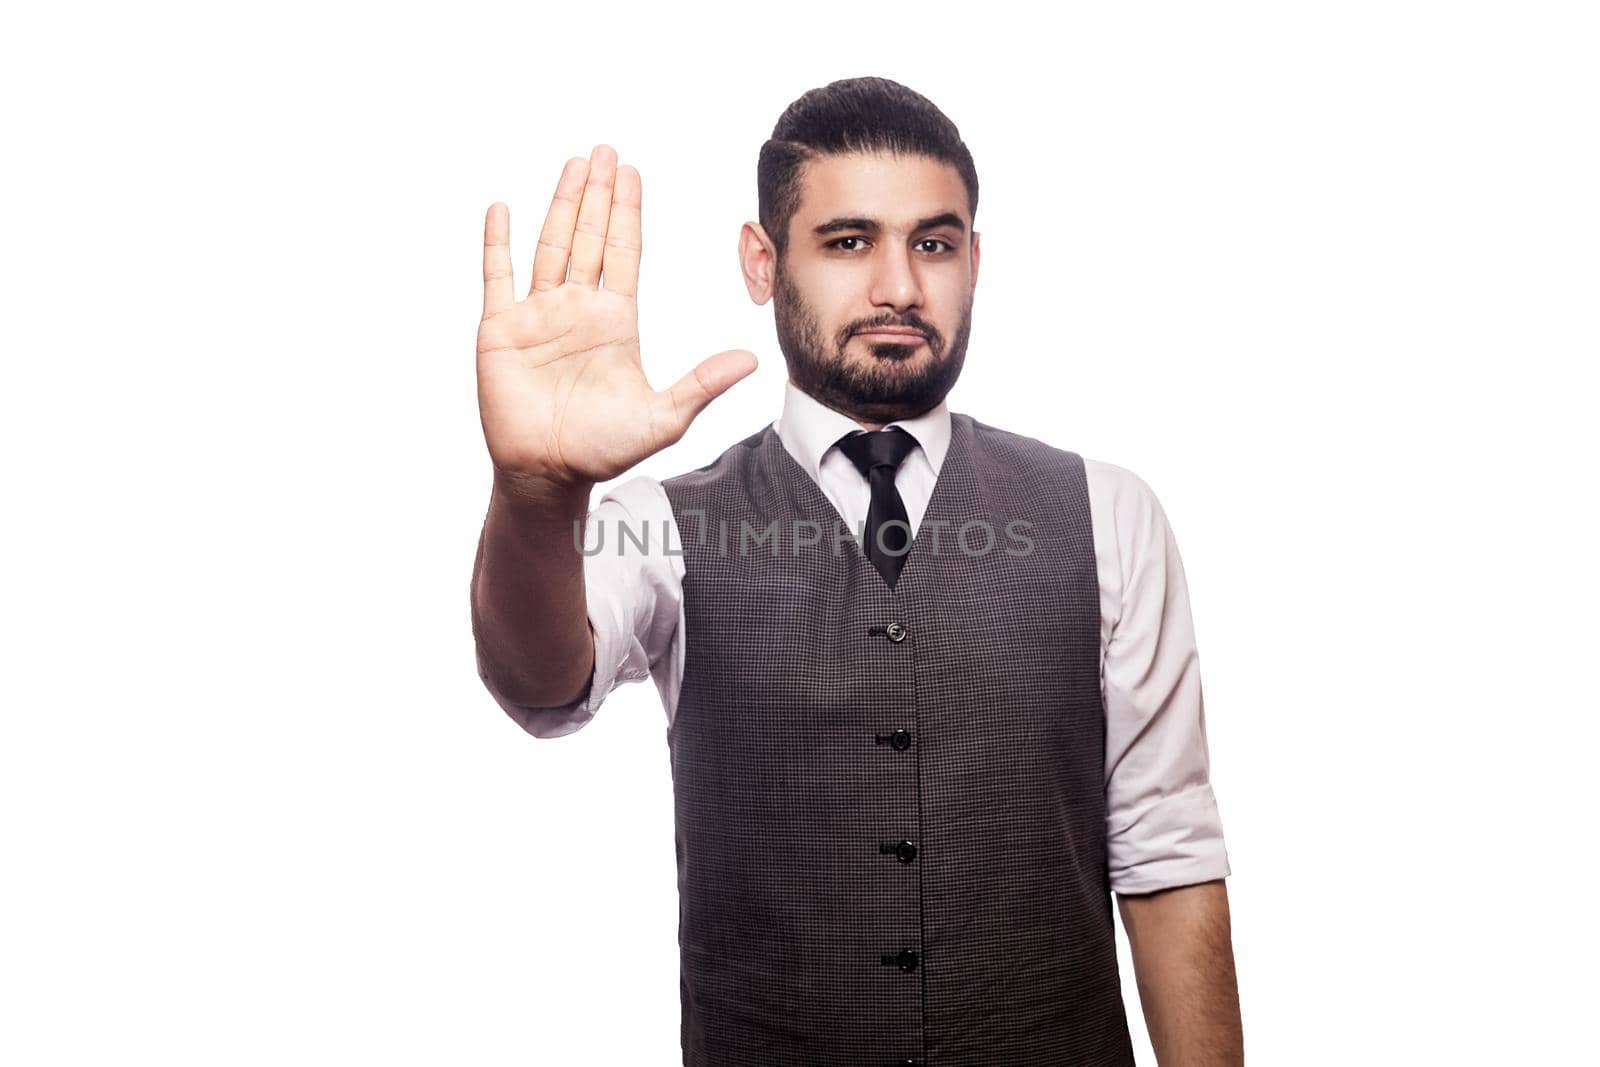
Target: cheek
{"type": "Point", "coordinates": [833, 296]}
{"type": "Point", "coordinates": [947, 303]}
{"type": "Point", "coordinates": [827, 294]}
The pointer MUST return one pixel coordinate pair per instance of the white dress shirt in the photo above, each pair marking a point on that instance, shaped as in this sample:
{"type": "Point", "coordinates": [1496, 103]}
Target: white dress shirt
{"type": "Point", "coordinates": [1162, 824]}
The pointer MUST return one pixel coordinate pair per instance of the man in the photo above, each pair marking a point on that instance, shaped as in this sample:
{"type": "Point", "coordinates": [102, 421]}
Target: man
{"type": "Point", "coordinates": [909, 765]}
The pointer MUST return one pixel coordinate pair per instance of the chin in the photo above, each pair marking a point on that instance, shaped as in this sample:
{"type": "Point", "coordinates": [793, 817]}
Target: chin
{"type": "Point", "coordinates": [892, 350]}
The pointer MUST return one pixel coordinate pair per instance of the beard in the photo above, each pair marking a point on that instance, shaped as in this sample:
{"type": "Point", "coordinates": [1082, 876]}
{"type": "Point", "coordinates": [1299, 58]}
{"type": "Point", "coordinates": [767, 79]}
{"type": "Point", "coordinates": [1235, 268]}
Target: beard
{"type": "Point", "coordinates": [883, 387]}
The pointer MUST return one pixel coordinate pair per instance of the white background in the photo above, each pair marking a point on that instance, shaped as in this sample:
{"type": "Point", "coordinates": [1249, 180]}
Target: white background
{"type": "Point", "coordinates": [1325, 277]}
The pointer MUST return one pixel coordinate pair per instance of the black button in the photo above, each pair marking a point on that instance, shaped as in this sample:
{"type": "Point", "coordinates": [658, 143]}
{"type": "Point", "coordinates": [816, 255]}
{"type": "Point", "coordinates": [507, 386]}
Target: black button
{"type": "Point", "coordinates": [907, 960]}
{"type": "Point", "coordinates": [901, 740]}
{"type": "Point", "coordinates": [896, 632]}
{"type": "Point", "coordinates": [905, 851]}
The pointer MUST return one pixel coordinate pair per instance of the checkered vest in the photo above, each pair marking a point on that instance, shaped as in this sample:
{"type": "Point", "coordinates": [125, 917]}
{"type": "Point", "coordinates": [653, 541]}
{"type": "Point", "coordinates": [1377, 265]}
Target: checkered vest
{"type": "Point", "coordinates": [890, 804]}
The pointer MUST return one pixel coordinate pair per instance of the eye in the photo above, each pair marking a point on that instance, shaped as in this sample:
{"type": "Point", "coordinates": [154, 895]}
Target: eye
{"type": "Point", "coordinates": [943, 245]}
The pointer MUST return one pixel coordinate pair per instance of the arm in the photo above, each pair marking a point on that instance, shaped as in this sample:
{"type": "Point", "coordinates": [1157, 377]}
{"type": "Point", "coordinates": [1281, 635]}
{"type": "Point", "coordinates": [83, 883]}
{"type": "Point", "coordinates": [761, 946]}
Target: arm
{"type": "Point", "coordinates": [535, 646]}
{"type": "Point", "coordinates": [1183, 961]}
{"type": "Point", "coordinates": [565, 405]}
{"type": "Point", "coordinates": [634, 601]}
{"type": "Point", "coordinates": [1164, 834]}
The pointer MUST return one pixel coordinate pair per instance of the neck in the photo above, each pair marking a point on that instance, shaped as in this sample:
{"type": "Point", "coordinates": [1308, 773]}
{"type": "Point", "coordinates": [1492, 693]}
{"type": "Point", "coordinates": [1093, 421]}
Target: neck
{"type": "Point", "coordinates": [865, 424]}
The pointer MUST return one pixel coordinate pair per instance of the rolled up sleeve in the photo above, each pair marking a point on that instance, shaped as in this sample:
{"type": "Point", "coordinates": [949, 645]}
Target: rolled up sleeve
{"type": "Point", "coordinates": [626, 607]}
{"type": "Point", "coordinates": [1163, 828]}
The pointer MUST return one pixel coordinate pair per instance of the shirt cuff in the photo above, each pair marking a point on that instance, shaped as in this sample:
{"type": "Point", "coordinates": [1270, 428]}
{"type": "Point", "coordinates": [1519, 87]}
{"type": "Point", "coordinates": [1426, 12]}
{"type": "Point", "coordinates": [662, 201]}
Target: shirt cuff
{"type": "Point", "coordinates": [566, 718]}
{"type": "Point", "coordinates": [1175, 841]}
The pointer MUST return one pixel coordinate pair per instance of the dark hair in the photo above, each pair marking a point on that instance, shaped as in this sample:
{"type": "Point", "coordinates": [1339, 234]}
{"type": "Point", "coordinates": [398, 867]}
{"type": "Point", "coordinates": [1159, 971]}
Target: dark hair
{"type": "Point", "coordinates": [852, 115]}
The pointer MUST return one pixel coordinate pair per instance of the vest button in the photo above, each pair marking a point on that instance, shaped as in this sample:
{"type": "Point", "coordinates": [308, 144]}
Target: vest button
{"type": "Point", "coordinates": [901, 740]}
{"type": "Point", "coordinates": [896, 632]}
{"type": "Point", "coordinates": [907, 960]}
{"type": "Point", "coordinates": [905, 851]}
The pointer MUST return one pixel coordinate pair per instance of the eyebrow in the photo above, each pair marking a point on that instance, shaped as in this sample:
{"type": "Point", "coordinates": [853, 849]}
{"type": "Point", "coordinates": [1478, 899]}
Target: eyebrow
{"type": "Point", "coordinates": [874, 227]}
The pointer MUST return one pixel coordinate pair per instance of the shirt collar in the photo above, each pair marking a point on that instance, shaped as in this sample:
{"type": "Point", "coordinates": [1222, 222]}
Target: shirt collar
{"type": "Point", "coordinates": [809, 428]}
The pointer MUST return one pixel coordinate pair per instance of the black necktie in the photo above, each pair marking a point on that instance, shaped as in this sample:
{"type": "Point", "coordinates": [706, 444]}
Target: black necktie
{"type": "Point", "coordinates": [878, 455]}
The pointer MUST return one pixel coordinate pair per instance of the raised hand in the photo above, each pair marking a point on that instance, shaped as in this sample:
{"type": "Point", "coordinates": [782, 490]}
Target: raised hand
{"type": "Point", "coordinates": [561, 391]}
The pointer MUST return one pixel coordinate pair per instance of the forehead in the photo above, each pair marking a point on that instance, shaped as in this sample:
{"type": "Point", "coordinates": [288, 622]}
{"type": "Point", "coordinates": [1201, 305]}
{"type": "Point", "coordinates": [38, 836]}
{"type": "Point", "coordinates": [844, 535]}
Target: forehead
{"type": "Point", "coordinates": [895, 189]}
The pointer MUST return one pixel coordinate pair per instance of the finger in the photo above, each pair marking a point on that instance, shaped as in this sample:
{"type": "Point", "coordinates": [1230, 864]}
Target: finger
{"type": "Point", "coordinates": [623, 234]}
{"type": "Point", "coordinates": [555, 240]}
{"type": "Point", "coordinates": [497, 287]}
{"type": "Point", "coordinates": [589, 236]}
{"type": "Point", "coordinates": [690, 394]}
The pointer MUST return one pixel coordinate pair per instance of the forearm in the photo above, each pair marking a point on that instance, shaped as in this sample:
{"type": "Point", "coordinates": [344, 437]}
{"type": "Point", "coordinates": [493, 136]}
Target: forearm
{"type": "Point", "coordinates": [529, 616]}
{"type": "Point", "coordinates": [1182, 946]}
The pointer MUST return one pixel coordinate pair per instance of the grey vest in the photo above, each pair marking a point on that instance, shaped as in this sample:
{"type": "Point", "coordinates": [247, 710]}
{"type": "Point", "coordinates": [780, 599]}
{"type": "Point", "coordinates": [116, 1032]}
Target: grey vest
{"type": "Point", "coordinates": [890, 804]}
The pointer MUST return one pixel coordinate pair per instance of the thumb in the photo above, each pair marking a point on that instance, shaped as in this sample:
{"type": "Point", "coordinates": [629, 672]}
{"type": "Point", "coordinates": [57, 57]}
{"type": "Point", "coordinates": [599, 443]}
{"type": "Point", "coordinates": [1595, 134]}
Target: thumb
{"type": "Point", "coordinates": [690, 394]}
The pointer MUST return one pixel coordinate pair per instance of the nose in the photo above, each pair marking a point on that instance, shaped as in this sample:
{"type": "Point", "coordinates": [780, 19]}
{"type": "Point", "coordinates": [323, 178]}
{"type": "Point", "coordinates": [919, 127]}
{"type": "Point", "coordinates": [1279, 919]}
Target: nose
{"type": "Point", "coordinates": [894, 281]}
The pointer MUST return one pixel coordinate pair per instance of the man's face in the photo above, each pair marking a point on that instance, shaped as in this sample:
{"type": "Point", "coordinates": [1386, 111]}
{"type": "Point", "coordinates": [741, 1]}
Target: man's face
{"type": "Point", "coordinates": [878, 241]}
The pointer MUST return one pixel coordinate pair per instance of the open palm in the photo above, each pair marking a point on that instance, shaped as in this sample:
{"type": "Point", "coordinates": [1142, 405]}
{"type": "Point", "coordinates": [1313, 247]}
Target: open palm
{"type": "Point", "coordinates": [561, 390]}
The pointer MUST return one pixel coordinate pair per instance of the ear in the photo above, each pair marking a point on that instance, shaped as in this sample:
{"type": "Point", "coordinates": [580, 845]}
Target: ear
{"type": "Point", "coordinates": [758, 259]}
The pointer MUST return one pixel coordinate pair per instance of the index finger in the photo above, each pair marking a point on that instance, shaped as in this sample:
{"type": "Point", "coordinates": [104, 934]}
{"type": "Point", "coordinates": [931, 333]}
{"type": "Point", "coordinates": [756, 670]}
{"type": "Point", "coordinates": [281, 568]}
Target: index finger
{"type": "Point", "coordinates": [623, 237]}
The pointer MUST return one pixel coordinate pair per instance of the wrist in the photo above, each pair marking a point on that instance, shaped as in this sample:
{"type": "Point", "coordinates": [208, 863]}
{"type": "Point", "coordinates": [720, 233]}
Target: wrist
{"type": "Point", "coordinates": [542, 492]}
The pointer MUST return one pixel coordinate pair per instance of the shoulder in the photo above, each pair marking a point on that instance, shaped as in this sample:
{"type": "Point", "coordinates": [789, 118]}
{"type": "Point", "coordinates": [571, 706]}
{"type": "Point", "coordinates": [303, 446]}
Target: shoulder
{"type": "Point", "coordinates": [1130, 524]}
{"type": "Point", "coordinates": [638, 497]}
{"type": "Point", "coordinates": [1120, 489]}
{"type": "Point", "coordinates": [736, 458]}
{"type": "Point", "coordinates": [1113, 489]}
{"type": "Point", "coordinates": [1016, 449]}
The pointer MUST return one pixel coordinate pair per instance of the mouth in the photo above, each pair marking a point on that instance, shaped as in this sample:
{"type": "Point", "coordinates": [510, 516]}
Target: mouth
{"type": "Point", "coordinates": [882, 336]}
